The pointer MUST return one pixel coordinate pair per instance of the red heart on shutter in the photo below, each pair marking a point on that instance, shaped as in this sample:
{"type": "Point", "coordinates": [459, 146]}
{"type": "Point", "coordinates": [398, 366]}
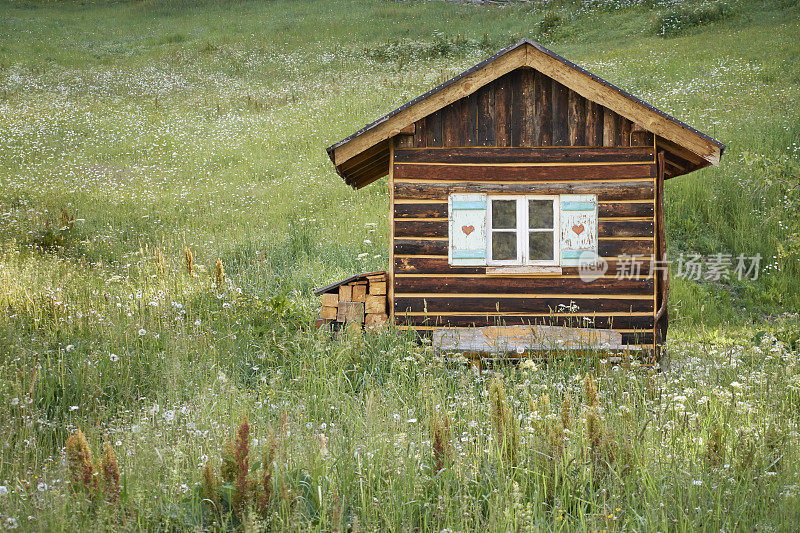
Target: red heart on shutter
{"type": "Point", "coordinates": [578, 229]}
{"type": "Point", "coordinates": [467, 229]}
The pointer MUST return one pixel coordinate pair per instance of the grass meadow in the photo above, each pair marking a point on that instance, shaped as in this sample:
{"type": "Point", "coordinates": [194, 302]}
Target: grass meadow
{"type": "Point", "coordinates": [136, 134]}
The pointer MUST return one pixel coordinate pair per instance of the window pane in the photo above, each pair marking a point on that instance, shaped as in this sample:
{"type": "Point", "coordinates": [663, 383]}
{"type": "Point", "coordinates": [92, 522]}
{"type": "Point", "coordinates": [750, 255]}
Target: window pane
{"type": "Point", "coordinates": [540, 246]}
{"type": "Point", "coordinates": [504, 214]}
{"type": "Point", "coordinates": [504, 245]}
{"type": "Point", "coordinates": [540, 213]}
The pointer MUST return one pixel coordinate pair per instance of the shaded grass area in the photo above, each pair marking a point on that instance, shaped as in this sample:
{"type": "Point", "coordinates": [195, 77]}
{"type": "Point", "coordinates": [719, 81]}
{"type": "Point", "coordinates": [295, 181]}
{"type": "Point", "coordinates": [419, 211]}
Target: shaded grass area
{"type": "Point", "coordinates": [161, 126]}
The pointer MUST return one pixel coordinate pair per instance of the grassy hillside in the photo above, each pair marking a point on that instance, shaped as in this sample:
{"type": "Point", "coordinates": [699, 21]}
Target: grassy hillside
{"type": "Point", "coordinates": [157, 127]}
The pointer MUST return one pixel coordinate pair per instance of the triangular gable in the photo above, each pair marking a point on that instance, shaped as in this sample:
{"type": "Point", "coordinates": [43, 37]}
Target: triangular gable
{"type": "Point", "coordinates": [364, 156]}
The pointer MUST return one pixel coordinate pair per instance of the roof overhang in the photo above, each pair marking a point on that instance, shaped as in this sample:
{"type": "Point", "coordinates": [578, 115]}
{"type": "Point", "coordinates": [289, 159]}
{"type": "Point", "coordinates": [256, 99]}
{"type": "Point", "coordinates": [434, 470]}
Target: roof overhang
{"type": "Point", "coordinates": [363, 157]}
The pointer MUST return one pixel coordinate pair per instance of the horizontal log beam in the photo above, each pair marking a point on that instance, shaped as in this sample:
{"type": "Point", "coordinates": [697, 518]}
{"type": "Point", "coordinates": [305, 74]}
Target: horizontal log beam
{"type": "Point", "coordinates": [500, 155]}
{"type": "Point", "coordinates": [605, 191]}
{"type": "Point", "coordinates": [515, 304]}
{"type": "Point", "coordinates": [523, 173]}
{"type": "Point", "coordinates": [443, 285]}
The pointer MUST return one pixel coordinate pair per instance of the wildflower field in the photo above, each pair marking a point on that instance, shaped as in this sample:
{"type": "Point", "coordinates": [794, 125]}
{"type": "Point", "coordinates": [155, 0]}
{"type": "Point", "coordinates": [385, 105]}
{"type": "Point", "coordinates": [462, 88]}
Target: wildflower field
{"type": "Point", "coordinates": [167, 207]}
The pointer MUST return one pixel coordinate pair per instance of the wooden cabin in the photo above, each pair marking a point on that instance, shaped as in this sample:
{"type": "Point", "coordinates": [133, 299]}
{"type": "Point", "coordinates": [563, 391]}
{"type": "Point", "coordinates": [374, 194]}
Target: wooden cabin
{"type": "Point", "coordinates": [511, 181]}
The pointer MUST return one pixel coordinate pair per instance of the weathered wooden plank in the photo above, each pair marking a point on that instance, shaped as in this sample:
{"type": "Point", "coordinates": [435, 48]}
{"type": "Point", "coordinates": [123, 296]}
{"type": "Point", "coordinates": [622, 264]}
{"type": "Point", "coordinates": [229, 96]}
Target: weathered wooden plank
{"type": "Point", "coordinates": [594, 124]}
{"type": "Point", "coordinates": [377, 288]}
{"type": "Point", "coordinates": [522, 173]}
{"type": "Point", "coordinates": [560, 114]}
{"type": "Point", "coordinates": [420, 135]}
{"type": "Point", "coordinates": [345, 293]}
{"type": "Point", "coordinates": [606, 191]}
{"type": "Point", "coordinates": [431, 265]}
{"type": "Point", "coordinates": [576, 120]}
{"type": "Point", "coordinates": [433, 129]}
{"type": "Point", "coordinates": [350, 312]}
{"type": "Point", "coordinates": [328, 312]}
{"type": "Point", "coordinates": [451, 123]}
{"type": "Point", "coordinates": [526, 155]}
{"type": "Point", "coordinates": [625, 132]}
{"type": "Point", "coordinates": [502, 109]}
{"type": "Point", "coordinates": [622, 247]}
{"type": "Point", "coordinates": [610, 128]}
{"type": "Point", "coordinates": [527, 134]}
{"type": "Point", "coordinates": [605, 210]}
{"type": "Point", "coordinates": [626, 228]}
{"type": "Point", "coordinates": [375, 304]}
{"type": "Point", "coordinates": [438, 210]}
{"type": "Point", "coordinates": [522, 108]}
{"type": "Point", "coordinates": [420, 228]}
{"type": "Point", "coordinates": [521, 338]}
{"type": "Point", "coordinates": [476, 304]}
{"type": "Point", "coordinates": [404, 141]}
{"type": "Point", "coordinates": [486, 116]}
{"type": "Point", "coordinates": [419, 247]}
{"type": "Point", "coordinates": [359, 293]}
{"type": "Point", "coordinates": [598, 321]}
{"type": "Point", "coordinates": [542, 110]}
{"type": "Point", "coordinates": [641, 137]}
{"type": "Point", "coordinates": [470, 122]}
{"type": "Point", "coordinates": [516, 111]}
{"type": "Point", "coordinates": [623, 209]}
{"type": "Point", "coordinates": [330, 299]}
{"type": "Point", "coordinates": [523, 285]}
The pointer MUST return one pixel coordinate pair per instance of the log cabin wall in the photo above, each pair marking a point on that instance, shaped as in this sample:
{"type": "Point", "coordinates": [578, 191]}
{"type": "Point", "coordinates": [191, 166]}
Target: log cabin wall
{"type": "Point", "coordinates": [523, 134]}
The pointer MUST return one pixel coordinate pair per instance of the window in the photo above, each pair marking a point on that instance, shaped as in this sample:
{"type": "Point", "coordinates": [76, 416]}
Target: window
{"type": "Point", "coordinates": [522, 230]}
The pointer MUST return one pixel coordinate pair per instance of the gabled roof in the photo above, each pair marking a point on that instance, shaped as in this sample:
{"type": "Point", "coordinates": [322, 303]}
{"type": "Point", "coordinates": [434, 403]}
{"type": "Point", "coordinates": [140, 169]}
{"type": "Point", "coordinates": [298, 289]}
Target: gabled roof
{"type": "Point", "coordinates": [363, 157]}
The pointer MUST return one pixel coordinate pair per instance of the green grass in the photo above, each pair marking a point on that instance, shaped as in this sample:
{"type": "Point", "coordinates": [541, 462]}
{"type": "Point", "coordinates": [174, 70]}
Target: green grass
{"type": "Point", "coordinates": [165, 125]}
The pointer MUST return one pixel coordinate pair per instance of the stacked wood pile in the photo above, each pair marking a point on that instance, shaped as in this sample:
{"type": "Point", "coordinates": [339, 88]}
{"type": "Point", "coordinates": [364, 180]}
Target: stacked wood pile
{"type": "Point", "coordinates": [360, 299]}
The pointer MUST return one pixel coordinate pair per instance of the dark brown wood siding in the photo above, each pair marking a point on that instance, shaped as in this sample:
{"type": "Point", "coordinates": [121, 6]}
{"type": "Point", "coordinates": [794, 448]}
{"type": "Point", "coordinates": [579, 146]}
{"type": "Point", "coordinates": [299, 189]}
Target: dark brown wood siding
{"type": "Point", "coordinates": [524, 108]}
{"type": "Point", "coordinates": [429, 293]}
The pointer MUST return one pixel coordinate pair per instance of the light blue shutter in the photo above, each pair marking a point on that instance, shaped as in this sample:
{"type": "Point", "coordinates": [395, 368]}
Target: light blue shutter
{"type": "Point", "coordinates": [578, 229]}
{"type": "Point", "coordinates": [467, 231]}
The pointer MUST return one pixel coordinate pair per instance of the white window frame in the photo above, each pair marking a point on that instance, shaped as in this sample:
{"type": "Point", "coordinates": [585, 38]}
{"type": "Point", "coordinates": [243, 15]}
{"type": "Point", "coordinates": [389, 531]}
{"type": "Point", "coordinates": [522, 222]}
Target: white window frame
{"type": "Point", "coordinates": [523, 230]}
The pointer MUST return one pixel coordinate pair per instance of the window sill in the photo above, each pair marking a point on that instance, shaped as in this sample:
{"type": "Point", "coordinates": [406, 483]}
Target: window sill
{"type": "Point", "coordinates": [526, 270]}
